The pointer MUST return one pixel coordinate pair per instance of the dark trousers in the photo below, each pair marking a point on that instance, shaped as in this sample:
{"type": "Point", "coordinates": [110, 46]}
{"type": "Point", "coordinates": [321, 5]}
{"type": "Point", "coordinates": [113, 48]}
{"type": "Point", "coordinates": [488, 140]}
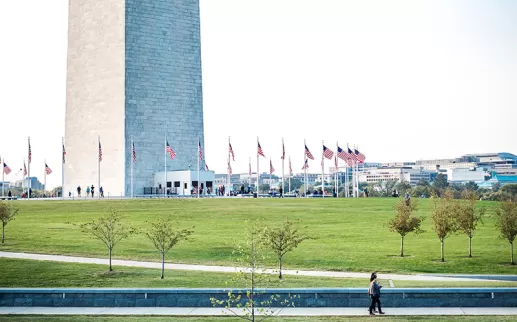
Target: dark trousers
{"type": "Point", "coordinates": [375, 299]}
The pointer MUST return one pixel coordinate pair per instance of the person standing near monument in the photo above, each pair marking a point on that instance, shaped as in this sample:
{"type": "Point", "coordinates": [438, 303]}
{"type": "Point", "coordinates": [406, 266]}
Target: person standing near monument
{"type": "Point", "coordinates": [375, 293]}
{"type": "Point", "coordinates": [92, 190]}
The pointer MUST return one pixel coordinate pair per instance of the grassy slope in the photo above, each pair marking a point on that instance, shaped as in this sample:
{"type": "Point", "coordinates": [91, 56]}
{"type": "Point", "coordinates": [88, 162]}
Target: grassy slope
{"type": "Point", "coordinates": [351, 234]}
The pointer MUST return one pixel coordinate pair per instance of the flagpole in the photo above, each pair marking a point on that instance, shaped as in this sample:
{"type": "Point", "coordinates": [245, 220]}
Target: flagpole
{"type": "Point", "coordinates": [283, 160]}
{"type": "Point", "coordinates": [337, 170]}
{"type": "Point", "coordinates": [270, 174]}
{"type": "Point", "coordinates": [63, 169]}
{"type": "Point", "coordinates": [45, 177]}
{"type": "Point", "coordinates": [165, 170]}
{"type": "Point", "coordinates": [29, 173]}
{"type": "Point", "coordinates": [290, 167]}
{"type": "Point", "coordinates": [228, 169]}
{"type": "Point", "coordinates": [306, 186]}
{"type": "Point", "coordinates": [198, 158]}
{"type": "Point", "coordinates": [3, 173]}
{"type": "Point", "coordinates": [250, 172]}
{"type": "Point", "coordinates": [99, 170]}
{"type": "Point", "coordinates": [322, 172]}
{"type": "Point", "coordinates": [132, 161]}
{"type": "Point", "coordinates": [258, 175]}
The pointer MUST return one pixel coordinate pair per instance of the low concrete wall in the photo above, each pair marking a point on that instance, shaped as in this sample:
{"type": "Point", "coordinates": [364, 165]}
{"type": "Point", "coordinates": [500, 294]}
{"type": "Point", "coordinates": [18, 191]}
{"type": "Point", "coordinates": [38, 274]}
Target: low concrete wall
{"type": "Point", "coordinates": [313, 297]}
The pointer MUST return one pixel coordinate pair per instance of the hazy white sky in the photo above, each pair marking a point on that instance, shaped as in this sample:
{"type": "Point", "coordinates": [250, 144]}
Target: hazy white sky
{"type": "Point", "coordinates": [405, 80]}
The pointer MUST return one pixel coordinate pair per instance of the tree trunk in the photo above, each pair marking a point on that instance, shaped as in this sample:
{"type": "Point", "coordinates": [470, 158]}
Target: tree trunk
{"type": "Point", "coordinates": [111, 269]}
{"type": "Point", "coordinates": [402, 246]}
{"type": "Point", "coordinates": [252, 290]}
{"type": "Point", "coordinates": [3, 228]}
{"type": "Point", "coordinates": [441, 242]}
{"type": "Point", "coordinates": [280, 260]}
{"type": "Point", "coordinates": [511, 251]}
{"type": "Point", "coordinates": [470, 246]}
{"type": "Point", "coordinates": [163, 263]}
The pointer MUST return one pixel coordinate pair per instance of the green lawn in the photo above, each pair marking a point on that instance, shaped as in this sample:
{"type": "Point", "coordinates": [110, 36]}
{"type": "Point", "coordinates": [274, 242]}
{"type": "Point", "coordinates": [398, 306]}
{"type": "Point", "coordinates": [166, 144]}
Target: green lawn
{"type": "Point", "coordinates": [54, 274]}
{"type": "Point", "coordinates": [25, 318]}
{"type": "Point", "coordinates": [350, 234]}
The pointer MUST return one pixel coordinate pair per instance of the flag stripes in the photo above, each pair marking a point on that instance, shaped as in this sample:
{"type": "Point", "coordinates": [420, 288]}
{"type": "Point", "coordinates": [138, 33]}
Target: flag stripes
{"type": "Point", "coordinates": [47, 169]}
{"type": "Point", "coordinates": [169, 150]}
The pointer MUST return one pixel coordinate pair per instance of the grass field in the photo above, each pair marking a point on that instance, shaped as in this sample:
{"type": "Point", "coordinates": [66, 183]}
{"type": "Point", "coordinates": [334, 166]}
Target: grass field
{"type": "Point", "coordinates": [53, 274]}
{"type": "Point", "coordinates": [275, 319]}
{"type": "Point", "coordinates": [350, 234]}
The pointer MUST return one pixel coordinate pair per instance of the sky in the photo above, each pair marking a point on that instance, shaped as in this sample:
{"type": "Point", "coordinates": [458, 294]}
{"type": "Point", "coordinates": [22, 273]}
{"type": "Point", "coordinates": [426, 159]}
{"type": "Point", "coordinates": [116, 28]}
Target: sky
{"type": "Point", "coordinates": [403, 80]}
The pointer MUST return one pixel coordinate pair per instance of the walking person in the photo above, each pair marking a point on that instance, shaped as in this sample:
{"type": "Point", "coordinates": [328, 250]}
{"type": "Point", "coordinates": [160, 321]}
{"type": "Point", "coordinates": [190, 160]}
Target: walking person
{"type": "Point", "coordinates": [92, 190]}
{"type": "Point", "coordinates": [375, 293]}
{"type": "Point", "coordinates": [87, 191]}
{"type": "Point", "coordinates": [79, 191]}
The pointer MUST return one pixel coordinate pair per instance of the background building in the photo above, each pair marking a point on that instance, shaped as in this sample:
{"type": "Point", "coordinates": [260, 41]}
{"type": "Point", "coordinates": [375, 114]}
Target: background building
{"type": "Point", "coordinates": [134, 70]}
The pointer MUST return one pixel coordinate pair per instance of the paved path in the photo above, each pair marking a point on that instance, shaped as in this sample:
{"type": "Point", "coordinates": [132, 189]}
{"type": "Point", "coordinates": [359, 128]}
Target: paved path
{"type": "Point", "coordinates": [229, 269]}
{"type": "Point", "coordinates": [192, 311]}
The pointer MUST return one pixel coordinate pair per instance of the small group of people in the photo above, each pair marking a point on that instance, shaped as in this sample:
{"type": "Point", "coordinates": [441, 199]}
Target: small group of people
{"type": "Point", "coordinates": [374, 291]}
{"type": "Point", "coordinates": [89, 190]}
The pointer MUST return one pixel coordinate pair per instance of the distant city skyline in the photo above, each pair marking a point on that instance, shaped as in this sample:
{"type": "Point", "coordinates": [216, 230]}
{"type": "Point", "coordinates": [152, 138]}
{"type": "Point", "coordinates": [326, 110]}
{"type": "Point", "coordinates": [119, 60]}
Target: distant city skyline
{"type": "Point", "coordinates": [403, 80]}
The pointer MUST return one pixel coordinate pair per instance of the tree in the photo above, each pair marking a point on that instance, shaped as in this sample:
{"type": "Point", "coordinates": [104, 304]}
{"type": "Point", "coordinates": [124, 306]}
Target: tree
{"type": "Point", "coordinates": [386, 187]}
{"type": "Point", "coordinates": [404, 221]}
{"type": "Point", "coordinates": [467, 217]}
{"type": "Point", "coordinates": [440, 182]}
{"type": "Point", "coordinates": [507, 222]}
{"type": "Point", "coordinates": [250, 255]}
{"type": "Point", "coordinates": [282, 240]}
{"type": "Point", "coordinates": [403, 187]}
{"type": "Point", "coordinates": [295, 184]}
{"type": "Point", "coordinates": [510, 189]}
{"type": "Point", "coordinates": [496, 186]}
{"type": "Point", "coordinates": [7, 213]}
{"type": "Point", "coordinates": [109, 229]}
{"type": "Point", "coordinates": [443, 216]}
{"type": "Point", "coordinates": [163, 236]}
{"type": "Point", "coordinates": [264, 188]}
{"type": "Point", "coordinates": [471, 185]}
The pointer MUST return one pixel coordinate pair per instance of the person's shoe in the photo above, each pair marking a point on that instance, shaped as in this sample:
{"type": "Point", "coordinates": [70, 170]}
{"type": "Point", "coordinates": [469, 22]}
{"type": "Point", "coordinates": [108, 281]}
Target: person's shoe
{"type": "Point", "coordinates": [371, 313]}
{"type": "Point", "coordinates": [382, 313]}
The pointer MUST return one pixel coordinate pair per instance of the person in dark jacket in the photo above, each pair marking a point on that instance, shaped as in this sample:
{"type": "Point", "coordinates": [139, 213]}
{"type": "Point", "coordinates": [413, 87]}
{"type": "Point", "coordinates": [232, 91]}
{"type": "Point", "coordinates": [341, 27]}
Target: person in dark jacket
{"type": "Point", "coordinates": [375, 293]}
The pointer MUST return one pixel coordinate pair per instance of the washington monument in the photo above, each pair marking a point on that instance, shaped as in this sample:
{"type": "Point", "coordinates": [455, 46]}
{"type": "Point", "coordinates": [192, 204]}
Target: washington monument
{"type": "Point", "coordinates": [133, 71]}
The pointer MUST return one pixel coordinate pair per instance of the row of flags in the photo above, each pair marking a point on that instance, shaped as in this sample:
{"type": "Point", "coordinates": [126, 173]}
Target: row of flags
{"type": "Point", "coordinates": [7, 170]}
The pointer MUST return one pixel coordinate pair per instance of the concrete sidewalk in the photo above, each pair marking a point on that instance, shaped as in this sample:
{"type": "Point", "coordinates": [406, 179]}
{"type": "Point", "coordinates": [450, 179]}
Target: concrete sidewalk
{"type": "Point", "coordinates": [229, 269]}
{"type": "Point", "coordinates": [192, 311]}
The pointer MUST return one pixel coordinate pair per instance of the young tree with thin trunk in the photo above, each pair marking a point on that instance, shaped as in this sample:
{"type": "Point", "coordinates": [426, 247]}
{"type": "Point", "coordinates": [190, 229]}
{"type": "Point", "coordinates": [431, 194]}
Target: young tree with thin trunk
{"type": "Point", "coordinates": [467, 218]}
{"type": "Point", "coordinates": [282, 240]}
{"type": "Point", "coordinates": [164, 236]}
{"type": "Point", "coordinates": [404, 221]}
{"type": "Point", "coordinates": [251, 255]}
{"type": "Point", "coordinates": [507, 222]}
{"type": "Point", "coordinates": [109, 229]}
{"type": "Point", "coordinates": [7, 213]}
{"type": "Point", "coordinates": [443, 216]}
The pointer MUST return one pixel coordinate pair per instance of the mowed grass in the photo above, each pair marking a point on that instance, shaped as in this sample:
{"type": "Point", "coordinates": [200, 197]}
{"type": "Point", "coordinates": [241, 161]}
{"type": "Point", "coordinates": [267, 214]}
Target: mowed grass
{"type": "Point", "coordinates": [13, 273]}
{"type": "Point", "coordinates": [386, 318]}
{"type": "Point", "coordinates": [349, 234]}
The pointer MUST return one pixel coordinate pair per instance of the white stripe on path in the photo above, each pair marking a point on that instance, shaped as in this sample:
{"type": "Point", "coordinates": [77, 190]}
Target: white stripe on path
{"type": "Point", "coordinates": [229, 269]}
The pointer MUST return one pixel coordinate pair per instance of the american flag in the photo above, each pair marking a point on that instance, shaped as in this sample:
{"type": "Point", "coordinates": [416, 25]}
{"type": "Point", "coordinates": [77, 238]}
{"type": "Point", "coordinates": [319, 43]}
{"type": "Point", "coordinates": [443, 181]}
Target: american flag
{"type": "Point", "coordinates": [308, 153]}
{"type": "Point", "coordinates": [352, 155]}
{"type": "Point", "coordinates": [290, 167]}
{"type": "Point", "coordinates": [47, 169]}
{"type": "Point", "coordinates": [24, 169]}
{"type": "Point", "coordinates": [64, 153]}
{"type": "Point", "coordinates": [30, 152]}
{"type": "Point", "coordinates": [200, 151]}
{"type": "Point", "coordinates": [134, 152]}
{"type": "Point", "coordinates": [100, 151]}
{"type": "Point", "coordinates": [350, 162]}
{"type": "Point", "coordinates": [283, 150]}
{"type": "Point", "coordinates": [327, 152]}
{"type": "Point", "coordinates": [231, 152]}
{"type": "Point", "coordinates": [259, 150]}
{"type": "Point", "coordinates": [206, 167]}
{"type": "Point", "coordinates": [170, 150]}
{"type": "Point", "coordinates": [7, 170]}
{"type": "Point", "coordinates": [306, 165]}
{"type": "Point", "coordinates": [229, 168]}
{"type": "Point", "coordinates": [360, 156]}
{"type": "Point", "coordinates": [342, 154]}
{"type": "Point", "coordinates": [271, 169]}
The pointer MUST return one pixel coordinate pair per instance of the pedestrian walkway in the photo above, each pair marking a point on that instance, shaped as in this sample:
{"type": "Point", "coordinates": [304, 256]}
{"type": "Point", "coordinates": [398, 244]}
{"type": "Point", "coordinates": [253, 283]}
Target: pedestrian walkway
{"type": "Point", "coordinates": [193, 311]}
{"type": "Point", "coordinates": [229, 269]}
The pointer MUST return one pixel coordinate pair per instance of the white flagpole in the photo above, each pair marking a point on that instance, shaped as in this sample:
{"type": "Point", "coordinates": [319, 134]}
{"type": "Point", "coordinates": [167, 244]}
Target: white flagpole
{"type": "Point", "coordinates": [165, 172]}
{"type": "Point", "coordinates": [132, 161]}
{"type": "Point", "coordinates": [62, 168]}
{"type": "Point", "coordinates": [290, 174]}
{"type": "Point", "coordinates": [258, 175]}
{"type": "Point", "coordinates": [99, 170]}
{"type": "Point", "coordinates": [3, 173]}
{"type": "Point", "coordinates": [322, 172]}
{"type": "Point", "coordinates": [45, 177]}
{"type": "Point", "coordinates": [270, 174]}
{"type": "Point", "coordinates": [228, 177]}
{"type": "Point", "coordinates": [283, 157]}
{"type": "Point", "coordinates": [306, 161]}
{"type": "Point", "coordinates": [198, 165]}
{"type": "Point", "coordinates": [28, 174]}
